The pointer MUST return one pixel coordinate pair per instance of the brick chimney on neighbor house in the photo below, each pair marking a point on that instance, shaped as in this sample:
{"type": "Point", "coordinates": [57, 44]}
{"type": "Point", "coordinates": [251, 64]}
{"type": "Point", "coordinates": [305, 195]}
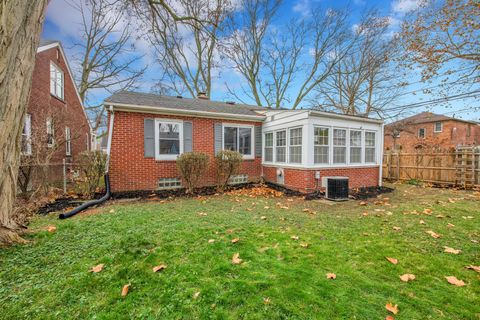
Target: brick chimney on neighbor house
{"type": "Point", "coordinates": [203, 95]}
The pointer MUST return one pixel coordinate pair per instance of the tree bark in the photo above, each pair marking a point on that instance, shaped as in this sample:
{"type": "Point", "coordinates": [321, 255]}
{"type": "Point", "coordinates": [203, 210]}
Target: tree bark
{"type": "Point", "coordinates": [20, 27]}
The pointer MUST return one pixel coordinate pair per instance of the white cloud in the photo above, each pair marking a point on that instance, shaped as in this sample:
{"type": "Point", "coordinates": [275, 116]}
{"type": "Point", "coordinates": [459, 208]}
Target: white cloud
{"type": "Point", "coordinates": [302, 7]}
{"type": "Point", "coordinates": [405, 6]}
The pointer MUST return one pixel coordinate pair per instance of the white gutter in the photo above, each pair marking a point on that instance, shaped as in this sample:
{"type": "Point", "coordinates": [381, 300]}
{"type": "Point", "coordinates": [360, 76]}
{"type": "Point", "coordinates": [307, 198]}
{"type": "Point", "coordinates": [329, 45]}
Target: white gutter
{"type": "Point", "coordinates": [343, 116]}
{"type": "Point", "coordinates": [109, 142]}
{"type": "Point", "coordinates": [380, 173]}
{"type": "Point", "coordinates": [195, 113]}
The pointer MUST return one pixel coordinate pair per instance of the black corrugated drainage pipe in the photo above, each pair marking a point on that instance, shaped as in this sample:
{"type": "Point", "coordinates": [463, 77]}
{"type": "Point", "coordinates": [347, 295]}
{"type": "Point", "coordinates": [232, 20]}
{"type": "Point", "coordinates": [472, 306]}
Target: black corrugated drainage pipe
{"type": "Point", "coordinates": [90, 203]}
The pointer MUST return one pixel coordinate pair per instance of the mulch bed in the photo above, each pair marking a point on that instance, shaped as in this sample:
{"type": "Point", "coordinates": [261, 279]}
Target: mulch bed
{"type": "Point", "coordinates": [59, 205]}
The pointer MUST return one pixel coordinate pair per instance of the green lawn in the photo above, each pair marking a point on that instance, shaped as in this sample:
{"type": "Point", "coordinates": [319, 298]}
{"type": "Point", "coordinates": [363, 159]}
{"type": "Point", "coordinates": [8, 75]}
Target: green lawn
{"type": "Point", "coordinates": [278, 278]}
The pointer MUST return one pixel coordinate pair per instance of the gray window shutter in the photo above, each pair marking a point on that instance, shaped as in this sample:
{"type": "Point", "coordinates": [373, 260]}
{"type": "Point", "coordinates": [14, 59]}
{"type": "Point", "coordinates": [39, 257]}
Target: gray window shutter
{"type": "Point", "coordinates": [258, 141]}
{"type": "Point", "coordinates": [218, 137]}
{"type": "Point", "coordinates": [187, 136]}
{"type": "Point", "coordinates": [149, 138]}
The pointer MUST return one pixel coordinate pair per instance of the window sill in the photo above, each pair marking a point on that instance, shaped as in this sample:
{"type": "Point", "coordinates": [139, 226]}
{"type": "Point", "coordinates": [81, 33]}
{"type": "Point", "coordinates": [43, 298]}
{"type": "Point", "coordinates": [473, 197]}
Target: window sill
{"type": "Point", "coordinates": [58, 98]}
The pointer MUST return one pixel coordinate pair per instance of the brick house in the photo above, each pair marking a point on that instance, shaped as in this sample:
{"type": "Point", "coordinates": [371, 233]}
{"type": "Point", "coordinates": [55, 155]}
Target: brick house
{"type": "Point", "coordinates": [429, 131]}
{"type": "Point", "coordinates": [293, 148]}
{"type": "Point", "coordinates": [56, 126]}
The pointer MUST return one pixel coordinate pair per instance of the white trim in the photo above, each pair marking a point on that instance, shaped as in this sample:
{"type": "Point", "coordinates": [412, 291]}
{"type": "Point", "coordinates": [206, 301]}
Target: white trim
{"type": "Point", "coordinates": [109, 141]}
{"type": "Point", "coordinates": [70, 73]}
{"type": "Point", "coordinates": [238, 126]}
{"type": "Point", "coordinates": [343, 116]}
{"type": "Point", "coordinates": [380, 168]}
{"type": "Point", "coordinates": [264, 146]}
{"type": "Point", "coordinates": [319, 167]}
{"type": "Point", "coordinates": [68, 141]}
{"type": "Point", "coordinates": [167, 157]}
{"type": "Point", "coordinates": [289, 129]}
{"type": "Point", "coordinates": [375, 157]}
{"type": "Point", "coordinates": [435, 127]}
{"type": "Point", "coordinates": [275, 146]}
{"type": "Point", "coordinates": [182, 112]}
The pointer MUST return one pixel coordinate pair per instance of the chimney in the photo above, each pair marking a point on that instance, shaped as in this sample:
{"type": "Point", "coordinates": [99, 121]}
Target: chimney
{"type": "Point", "coordinates": [202, 95]}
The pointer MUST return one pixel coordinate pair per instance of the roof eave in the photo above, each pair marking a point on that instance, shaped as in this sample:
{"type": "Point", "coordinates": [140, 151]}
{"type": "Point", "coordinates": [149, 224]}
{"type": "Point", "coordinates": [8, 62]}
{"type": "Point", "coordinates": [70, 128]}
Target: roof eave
{"type": "Point", "coordinates": [344, 116]}
{"type": "Point", "coordinates": [181, 112]}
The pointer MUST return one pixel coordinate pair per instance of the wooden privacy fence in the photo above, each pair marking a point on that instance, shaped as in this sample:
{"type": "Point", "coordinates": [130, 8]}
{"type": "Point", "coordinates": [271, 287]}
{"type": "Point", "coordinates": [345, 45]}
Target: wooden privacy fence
{"type": "Point", "coordinates": [460, 167]}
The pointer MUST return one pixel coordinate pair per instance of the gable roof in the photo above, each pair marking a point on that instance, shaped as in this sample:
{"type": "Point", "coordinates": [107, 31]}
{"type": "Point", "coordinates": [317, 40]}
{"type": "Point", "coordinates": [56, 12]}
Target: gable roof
{"type": "Point", "coordinates": [426, 117]}
{"type": "Point", "coordinates": [49, 44]}
{"type": "Point", "coordinates": [138, 101]}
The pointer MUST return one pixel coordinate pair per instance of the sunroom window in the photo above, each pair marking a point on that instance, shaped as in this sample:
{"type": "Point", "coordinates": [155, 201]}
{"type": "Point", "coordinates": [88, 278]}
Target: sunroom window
{"type": "Point", "coordinates": [281, 146]}
{"type": "Point", "coordinates": [268, 152]}
{"type": "Point", "coordinates": [370, 147]}
{"type": "Point", "coordinates": [237, 138]}
{"type": "Point", "coordinates": [321, 145]}
{"type": "Point", "coordinates": [355, 146]}
{"type": "Point", "coordinates": [339, 146]}
{"type": "Point", "coordinates": [295, 145]}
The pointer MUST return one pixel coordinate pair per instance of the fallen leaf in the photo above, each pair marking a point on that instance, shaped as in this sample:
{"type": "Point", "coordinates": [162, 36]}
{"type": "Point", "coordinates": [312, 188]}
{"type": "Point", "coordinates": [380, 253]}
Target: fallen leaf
{"type": "Point", "coordinates": [363, 203]}
{"type": "Point", "coordinates": [304, 245]}
{"type": "Point", "coordinates": [472, 267]}
{"type": "Point", "coordinates": [392, 308]}
{"type": "Point", "coordinates": [235, 240]}
{"type": "Point", "coordinates": [397, 228]}
{"type": "Point", "coordinates": [294, 238]}
{"type": "Point", "coordinates": [266, 300]}
{"type": "Point", "coordinates": [389, 318]}
{"type": "Point", "coordinates": [392, 260]}
{"type": "Point", "coordinates": [125, 290]}
{"type": "Point", "coordinates": [266, 207]}
{"type": "Point", "coordinates": [453, 280]}
{"type": "Point", "coordinates": [331, 276]}
{"type": "Point", "coordinates": [51, 229]}
{"type": "Point", "coordinates": [196, 294]}
{"type": "Point", "coordinates": [427, 211]}
{"type": "Point", "coordinates": [290, 200]}
{"type": "Point", "coordinates": [159, 268]}
{"type": "Point", "coordinates": [450, 225]}
{"type": "Point", "coordinates": [440, 216]}
{"type": "Point", "coordinates": [97, 268]}
{"type": "Point", "coordinates": [365, 214]}
{"type": "Point", "coordinates": [263, 218]}
{"type": "Point", "coordinates": [422, 222]}
{"type": "Point", "coordinates": [202, 214]}
{"type": "Point", "coordinates": [112, 211]}
{"type": "Point", "coordinates": [451, 250]}
{"type": "Point", "coordinates": [407, 277]}
{"type": "Point", "coordinates": [211, 240]}
{"type": "Point", "coordinates": [433, 234]}
{"type": "Point", "coordinates": [236, 258]}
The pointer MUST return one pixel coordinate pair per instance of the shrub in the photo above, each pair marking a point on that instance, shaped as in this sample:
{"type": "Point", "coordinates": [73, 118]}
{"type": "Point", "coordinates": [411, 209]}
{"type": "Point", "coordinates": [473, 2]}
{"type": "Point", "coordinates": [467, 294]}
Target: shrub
{"type": "Point", "coordinates": [192, 166]}
{"type": "Point", "coordinates": [92, 164]}
{"type": "Point", "coordinates": [228, 163]}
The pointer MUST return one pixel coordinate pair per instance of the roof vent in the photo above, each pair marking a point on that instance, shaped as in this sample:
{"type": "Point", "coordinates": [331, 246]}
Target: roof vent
{"type": "Point", "coordinates": [230, 102]}
{"type": "Point", "coordinates": [202, 95]}
{"type": "Point", "coordinates": [179, 97]}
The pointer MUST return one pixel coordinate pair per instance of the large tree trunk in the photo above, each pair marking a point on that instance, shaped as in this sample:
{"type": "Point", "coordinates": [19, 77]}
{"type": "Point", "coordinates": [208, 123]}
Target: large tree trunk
{"type": "Point", "coordinates": [20, 27]}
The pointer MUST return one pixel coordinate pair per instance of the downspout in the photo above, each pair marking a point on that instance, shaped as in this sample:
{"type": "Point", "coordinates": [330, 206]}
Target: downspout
{"type": "Point", "coordinates": [106, 177]}
{"type": "Point", "coordinates": [380, 169]}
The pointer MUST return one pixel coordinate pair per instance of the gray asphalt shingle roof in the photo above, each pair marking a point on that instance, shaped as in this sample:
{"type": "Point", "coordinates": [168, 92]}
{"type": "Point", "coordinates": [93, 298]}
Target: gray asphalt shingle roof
{"type": "Point", "coordinates": [187, 104]}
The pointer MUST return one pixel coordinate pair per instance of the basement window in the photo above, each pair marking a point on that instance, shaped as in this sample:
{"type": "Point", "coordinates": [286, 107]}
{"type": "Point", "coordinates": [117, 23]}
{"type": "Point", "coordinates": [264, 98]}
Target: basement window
{"type": "Point", "coordinates": [169, 183]}
{"type": "Point", "coordinates": [237, 179]}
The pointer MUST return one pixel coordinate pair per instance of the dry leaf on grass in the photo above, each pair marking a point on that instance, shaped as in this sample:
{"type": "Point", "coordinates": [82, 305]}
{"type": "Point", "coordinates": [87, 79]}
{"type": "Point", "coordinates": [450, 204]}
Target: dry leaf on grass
{"type": "Point", "coordinates": [392, 260]}
{"type": "Point", "coordinates": [362, 203]}
{"type": "Point", "coordinates": [440, 216]}
{"type": "Point", "coordinates": [267, 300]}
{"type": "Point", "coordinates": [266, 207]}
{"type": "Point", "coordinates": [304, 245]}
{"type": "Point", "coordinates": [433, 234]}
{"type": "Point", "coordinates": [125, 290]}
{"type": "Point", "coordinates": [392, 308]}
{"type": "Point", "coordinates": [202, 214]}
{"type": "Point", "coordinates": [294, 238]}
{"type": "Point", "coordinates": [112, 210]}
{"type": "Point", "coordinates": [159, 268]}
{"type": "Point", "coordinates": [235, 240]}
{"type": "Point", "coordinates": [389, 318]}
{"type": "Point", "coordinates": [211, 240]}
{"type": "Point", "coordinates": [397, 228]}
{"type": "Point", "coordinates": [422, 222]}
{"type": "Point", "coordinates": [97, 268]}
{"type": "Point", "coordinates": [453, 280]}
{"type": "Point", "coordinates": [236, 258]}
{"type": "Point", "coordinates": [196, 294]}
{"type": "Point", "coordinates": [427, 211]}
{"type": "Point", "coordinates": [51, 229]}
{"type": "Point", "coordinates": [451, 250]}
{"type": "Point", "coordinates": [407, 277]}
{"type": "Point", "coordinates": [331, 276]}
{"type": "Point", "coordinates": [472, 267]}
{"type": "Point", "coordinates": [450, 225]}
{"type": "Point", "coordinates": [263, 218]}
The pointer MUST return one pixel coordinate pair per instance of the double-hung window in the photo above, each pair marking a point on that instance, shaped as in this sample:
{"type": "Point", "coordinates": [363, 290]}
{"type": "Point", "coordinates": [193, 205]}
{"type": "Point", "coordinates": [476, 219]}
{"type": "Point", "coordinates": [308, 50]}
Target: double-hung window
{"type": "Point", "coordinates": [268, 152]}
{"type": "Point", "coordinates": [370, 153]}
{"type": "Point", "coordinates": [355, 146]}
{"type": "Point", "coordinates": [27, 135]}
{"type": "Point", "coordinates": [68, 142]}
{"type": "Point", "coordinates": [321, 145]}
{"type": "Point", "coordinates": [168, 139]}
{"type": "Point", "coordinates": [438, 126]}
{"type": "Point", "coordinates": [339, 146]}
{"type": "Point", "coordinates": [50, 133]}
{"type": "Point", "coordinates": [295, 150]}
{"type": "Point", "coordinates": [421, 133]}
{"type": "Point", "coordinates": [238, 138]}
{"type": "Point", "coordinates": [281, 146]}
{"type": "Point", "coordinates": [56, 81]}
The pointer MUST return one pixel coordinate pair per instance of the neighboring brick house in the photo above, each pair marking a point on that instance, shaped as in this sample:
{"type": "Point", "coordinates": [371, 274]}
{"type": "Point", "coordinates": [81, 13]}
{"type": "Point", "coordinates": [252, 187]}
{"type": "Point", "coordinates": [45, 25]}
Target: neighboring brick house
{"type": "Point", "coordinates": [429, 131]}
{"type": "Point", "coordinates": [56, 126]}
{"type": "Point", "coordinates": [294, 148]}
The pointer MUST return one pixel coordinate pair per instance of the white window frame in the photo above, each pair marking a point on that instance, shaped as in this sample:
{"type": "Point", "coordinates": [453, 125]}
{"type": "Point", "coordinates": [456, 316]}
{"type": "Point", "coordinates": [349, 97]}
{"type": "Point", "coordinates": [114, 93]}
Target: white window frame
{"type": "Point", "coordinates": [56, 71]}
{"type": "Point", "coordinates": [27, 136]}
{"type": "Point", "coordinates": [366, 147]}
{"type": "Point", "coordinates": [346, 146]}
{"type": "Point", "coordinates": [249, 156]}
{"type": "Point", "coordinates": [328, 145]}
{"type": "Point", "coordinates": [285, 146]}
{"type": "Point", "coordinates": [295, 145]}
{"type": "Point", "coordinates": [169, 157]}
{"type": "Point", "coordinates": [424, 133]}
{"type": "Point", "coordinates": [435, 126]}
{"type": "Point", "coordinates": [68, 141]}
{"type": "Point", "coordinates": [272, 147]}
{"type": "Point", "coordinates": [50, 131]}
{"type": "Point", "coordinates": [362, 138]}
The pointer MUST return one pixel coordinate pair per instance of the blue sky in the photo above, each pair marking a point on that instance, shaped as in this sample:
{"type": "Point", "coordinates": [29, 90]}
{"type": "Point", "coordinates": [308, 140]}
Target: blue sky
{"type": "Point", "coordinates": [63, 23]}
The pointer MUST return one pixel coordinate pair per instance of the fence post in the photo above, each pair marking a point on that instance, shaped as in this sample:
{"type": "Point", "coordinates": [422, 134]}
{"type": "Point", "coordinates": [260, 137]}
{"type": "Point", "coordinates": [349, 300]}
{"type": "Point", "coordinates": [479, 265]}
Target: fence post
{"type": "Point", "coordinates": [64, 177]}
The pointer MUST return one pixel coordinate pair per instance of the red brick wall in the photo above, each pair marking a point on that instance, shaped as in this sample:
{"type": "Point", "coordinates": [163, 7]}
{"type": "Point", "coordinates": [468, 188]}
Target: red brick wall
{"type": "Point", "coordinates": [67, 112]}
{"type": "Point", "coordinates": [454, 133]}
{"type": "Point", "coordinates": [130, 170]}
{"type": "Point", "coordinates": [304, 179]}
